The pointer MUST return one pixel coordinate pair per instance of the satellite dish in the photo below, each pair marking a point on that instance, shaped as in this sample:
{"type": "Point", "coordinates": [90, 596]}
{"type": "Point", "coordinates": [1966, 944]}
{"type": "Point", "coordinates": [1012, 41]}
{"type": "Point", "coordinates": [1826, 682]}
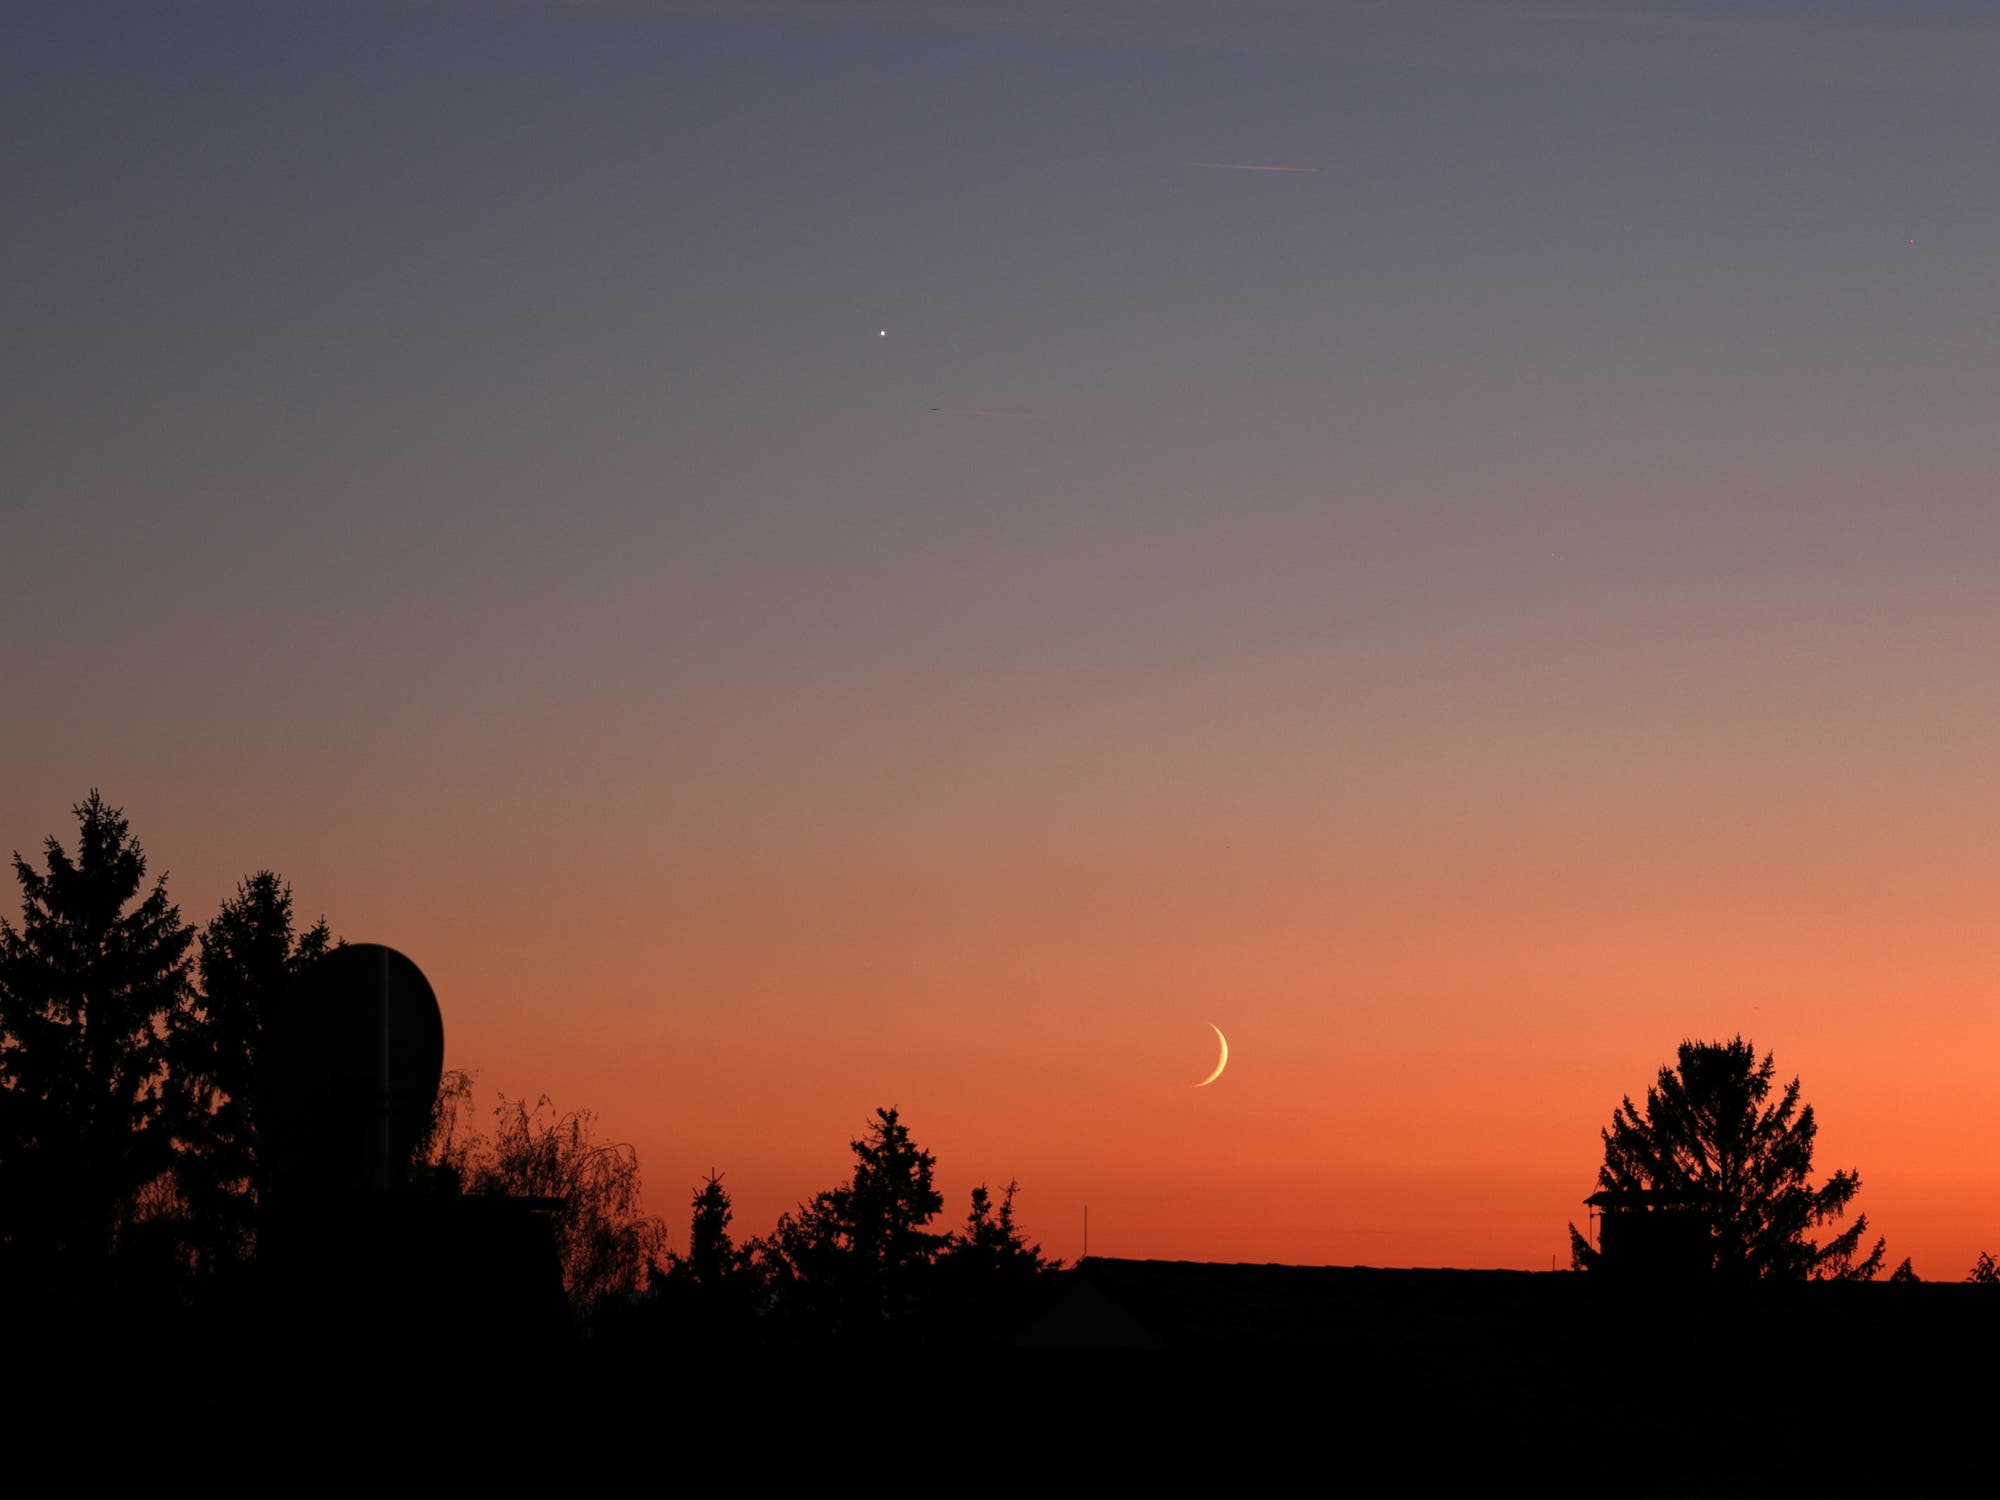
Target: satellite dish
{"type": "Point", "coordinates": [348, 1070]}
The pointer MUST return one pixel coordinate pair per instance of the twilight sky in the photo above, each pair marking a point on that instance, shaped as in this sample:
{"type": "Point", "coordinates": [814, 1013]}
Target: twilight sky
{"type": "Point", "coordinates": [800, 557]}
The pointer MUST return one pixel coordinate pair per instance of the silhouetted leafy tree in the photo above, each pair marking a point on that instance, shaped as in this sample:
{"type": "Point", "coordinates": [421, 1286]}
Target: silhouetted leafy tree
{"type": "Point", "coordinates": [853, 1259]}
{"type": "Point", "coordinates": [90, 983]}
{"type": "Point", "coordinates": [1707, 1131]}
{"type": "Point", "coordinates": [248, 951]}
{"type": "Point", "coordinates": [605, 1240]}
{"type": "Point", "coordinates": [1984, 1272]}
{"type": "Point", "coordinates": [443, 1155]}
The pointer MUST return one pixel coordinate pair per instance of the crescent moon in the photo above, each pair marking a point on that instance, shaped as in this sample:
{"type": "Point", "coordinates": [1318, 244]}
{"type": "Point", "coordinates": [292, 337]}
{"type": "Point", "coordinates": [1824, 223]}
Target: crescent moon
{"type": "Point", "coordinates": [1221, 1062]}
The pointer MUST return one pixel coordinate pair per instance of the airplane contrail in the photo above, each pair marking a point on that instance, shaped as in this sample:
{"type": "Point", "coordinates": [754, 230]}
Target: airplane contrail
{"type": "Point", "coordinates": [1251, 166]}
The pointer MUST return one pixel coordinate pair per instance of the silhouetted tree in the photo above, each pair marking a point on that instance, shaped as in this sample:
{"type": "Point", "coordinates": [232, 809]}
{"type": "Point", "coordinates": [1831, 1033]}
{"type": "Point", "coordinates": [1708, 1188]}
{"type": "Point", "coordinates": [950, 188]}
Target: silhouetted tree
{"type": "Point", "coordinates": [853, 1259]}
{"type": "Point", "coordinates": [890, 1198]}
{"type": "Point", "coordinates": [988, 1271]}
{"type": "Point", "coordinates": [605, 1240]}
{"type": "Point", "coordinates": [1707, 1133]}
{"type": "Point", "coordinates": [1984, 1272]}
{"type": "Point", "coordinates": [1905, 1272]}
{"type": "Point", "coordinates": [708, 1295]}
{"type": "Point", "coordinates": [802, 1265]}
{"type": "Point", "coordinates": [712, 1255]}
{"type": "Point", "coordinates": [248, 951]}
{"type": "Point", "coordinates": [992, 1242]}
{"type": "Point", "coordinates": [90, 983]}
{"type": "Point", "coordinates": [443, 1155]}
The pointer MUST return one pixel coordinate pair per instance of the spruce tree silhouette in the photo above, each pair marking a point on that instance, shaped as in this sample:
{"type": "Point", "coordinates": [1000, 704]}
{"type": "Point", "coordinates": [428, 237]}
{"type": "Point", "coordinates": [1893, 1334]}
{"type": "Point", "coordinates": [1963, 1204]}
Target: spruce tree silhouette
{"type": "Point", "coordinates": [1707, 1136]}
{"type": "Point", "coordinates": [90, 984]}
{"type": "Point", "coordinates": [248, 951]}
{"type": "Point", "coordinates": [992, 1243]}
{"type": "Point", "coordinates": [987, 1272]}
{"type": "Point", "coordinates": [712, 1256]}
{"type": "Point", "coordinates": [890, 1199]}
{"type": "Point", "coordinates": [709, 1294]}
{"type": "Point", "coordinates": [851, 1263]}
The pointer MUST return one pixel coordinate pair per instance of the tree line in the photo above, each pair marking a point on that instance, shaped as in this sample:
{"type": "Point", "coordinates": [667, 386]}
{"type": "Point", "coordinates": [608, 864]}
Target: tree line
{"type": "Point", "coordinates": [858, 1262]}
{"type": "Point", "coordinates": [129, 1165]}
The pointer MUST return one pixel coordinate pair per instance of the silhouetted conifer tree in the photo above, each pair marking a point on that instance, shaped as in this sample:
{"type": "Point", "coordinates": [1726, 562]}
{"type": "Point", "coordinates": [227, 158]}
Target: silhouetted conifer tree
{"type": "Point", "coordinates": [890, 1199]}
{"type": "Point", "coordinates": [712, 1255]}
{"type": "Point", "coordinates": [853, 1260]}
{"type": "Point", "coordinates": [248, 951]}
{"type": "Point", "coordinates": [991, 1241]}
{"type": "Point", "coordinates": [709, 1294]}
{"type": "Point", "coordinates": [1707, 1134]}
{"type": "Point", "coordinates": [90, 983]}
{"type": "Point", "coordinates": [987, 1271]}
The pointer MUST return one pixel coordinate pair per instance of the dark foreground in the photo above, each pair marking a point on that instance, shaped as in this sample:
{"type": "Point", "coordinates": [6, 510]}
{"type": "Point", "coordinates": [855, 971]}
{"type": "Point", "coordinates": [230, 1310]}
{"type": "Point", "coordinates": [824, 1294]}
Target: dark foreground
{"type": "Point", "coordinates": [1123, 1372]}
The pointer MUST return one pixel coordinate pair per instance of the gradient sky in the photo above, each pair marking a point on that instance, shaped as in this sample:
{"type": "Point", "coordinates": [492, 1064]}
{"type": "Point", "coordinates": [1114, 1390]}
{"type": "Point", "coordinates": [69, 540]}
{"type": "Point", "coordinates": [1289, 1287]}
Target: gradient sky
{"type": "Point", "coordinates": [800, 557]}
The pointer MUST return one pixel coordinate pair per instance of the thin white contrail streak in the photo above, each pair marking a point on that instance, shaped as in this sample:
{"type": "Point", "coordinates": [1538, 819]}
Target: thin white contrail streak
{"type": "Point", "coordinates": [1250, 166]}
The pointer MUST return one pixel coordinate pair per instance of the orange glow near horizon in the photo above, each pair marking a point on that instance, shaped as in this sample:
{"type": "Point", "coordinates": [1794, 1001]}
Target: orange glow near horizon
{"type": "Point", "coordinates": [1424, 1042]}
